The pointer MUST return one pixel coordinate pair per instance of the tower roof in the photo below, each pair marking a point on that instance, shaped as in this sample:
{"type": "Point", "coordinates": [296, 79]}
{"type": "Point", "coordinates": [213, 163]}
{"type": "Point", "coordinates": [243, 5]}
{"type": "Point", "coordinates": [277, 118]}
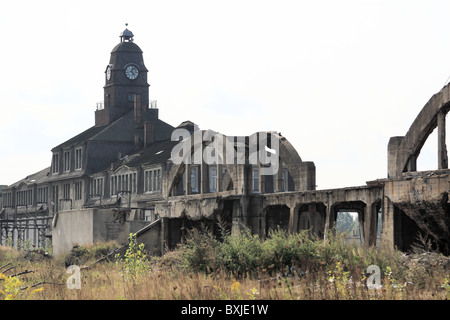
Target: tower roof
{"type": "Point", "coordinates": [126, 35]}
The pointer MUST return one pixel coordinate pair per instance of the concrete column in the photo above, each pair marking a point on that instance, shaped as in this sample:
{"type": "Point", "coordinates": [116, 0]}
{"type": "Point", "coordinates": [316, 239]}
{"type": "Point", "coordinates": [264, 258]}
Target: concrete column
{"type": "Point", "coordinates": [370, 225]}
{"type": "Point", "coordinates": [219, 178]}
{"type": "Point", "coordinates": [237, 218]}
{"type": "Point", "coordinates": [278, 179]}
{"type": "Point", "coordinates": [329, 219]}
{"type": "Point", "coordinates": [442, 147]}
{"type": "Point", "coordinates": [187, 180]}
{"type": "Point", "coordinates": [204, 186]}
{"type": "Point", "coordinates": [307, 176]}
{"type": "Point", "coordinates": [293, 218]}
{"type": "Point", "coordinates": [393, 157]}
{"type": "Point", "coordinates": [164, 235]}
{"type": "Point", "coordinates": [262, 181]}
{"type": "Point", "coordinates": [361, 220]}
{"type": "Point", "coordinates": [387, 223]}
{"type": "Point", "coordinates": [412, 164]}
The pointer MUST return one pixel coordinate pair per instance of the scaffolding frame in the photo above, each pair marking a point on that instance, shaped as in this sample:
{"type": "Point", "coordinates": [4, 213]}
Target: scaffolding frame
{"type": "Point", "coordinates": [33, 227]}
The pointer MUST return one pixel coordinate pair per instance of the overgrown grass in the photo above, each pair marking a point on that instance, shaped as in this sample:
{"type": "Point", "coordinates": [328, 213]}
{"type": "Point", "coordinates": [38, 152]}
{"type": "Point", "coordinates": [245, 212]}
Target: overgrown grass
{"type": "Point", "coordinates": [245, 254]}
{"type": "Point", "coordinates": [242, 266]}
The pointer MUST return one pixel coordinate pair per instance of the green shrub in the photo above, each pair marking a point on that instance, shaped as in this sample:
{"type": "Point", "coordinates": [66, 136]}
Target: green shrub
{"type": "Point", "coordinates": [246, 254]}
{"type": "Point", "coordinates": [240, 254]}
{"type": "Point", "coordinates": [199, 250]}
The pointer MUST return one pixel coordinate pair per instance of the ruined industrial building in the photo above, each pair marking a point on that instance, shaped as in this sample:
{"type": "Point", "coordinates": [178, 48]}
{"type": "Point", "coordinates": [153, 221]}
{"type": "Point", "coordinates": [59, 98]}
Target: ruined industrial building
{"type": "Point", "coordinates": [134, 173]}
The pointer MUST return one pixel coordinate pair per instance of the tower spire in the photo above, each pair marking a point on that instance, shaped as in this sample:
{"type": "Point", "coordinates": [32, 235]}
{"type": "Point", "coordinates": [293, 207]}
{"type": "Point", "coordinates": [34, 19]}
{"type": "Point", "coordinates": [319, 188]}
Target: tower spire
{"type": "Point", "coordinates": [126, 35]}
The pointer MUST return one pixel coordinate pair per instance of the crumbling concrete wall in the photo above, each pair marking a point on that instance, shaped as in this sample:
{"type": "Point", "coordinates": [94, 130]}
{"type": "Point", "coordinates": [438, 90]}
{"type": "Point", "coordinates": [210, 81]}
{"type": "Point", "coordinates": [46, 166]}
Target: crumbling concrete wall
{"type": "Point", "coordinates": [424, 198]}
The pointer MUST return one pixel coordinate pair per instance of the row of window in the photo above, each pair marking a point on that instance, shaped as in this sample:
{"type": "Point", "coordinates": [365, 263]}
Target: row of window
{"type": "Point", "coordinates": [128, 182]}
{"type": "Point", "coordinates": [67, 161]}
{"type": "Point", "coordinates": [152, 180]}
{"type": "Point", "coordinates": [284, 183]}
{"type": "Point", "coordinates": [123, 182]}
{"type": "Point", "coordinates": [195, 178]}
{"type": "Point", "coordinates": [25, 197]}
{"type": "Point", "coordinates": [212, 180]}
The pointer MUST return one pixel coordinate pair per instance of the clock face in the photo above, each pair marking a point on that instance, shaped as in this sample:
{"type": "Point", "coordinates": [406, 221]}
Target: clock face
{"type": "Point", "coordinates": [108, 73]}
{"type": "Point", "coordinates": [131, 72]}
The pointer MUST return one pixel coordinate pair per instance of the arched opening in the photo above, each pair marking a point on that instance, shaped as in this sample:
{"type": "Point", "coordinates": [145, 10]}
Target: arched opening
{"type": "Point", "coordinates": [349, 220]}
{"type": "Point", "coordinates": [277, 217]}
{"type": "Point", "coordinates": [347, 225]}
{"type": "Point", "coordinates": [312, 218]}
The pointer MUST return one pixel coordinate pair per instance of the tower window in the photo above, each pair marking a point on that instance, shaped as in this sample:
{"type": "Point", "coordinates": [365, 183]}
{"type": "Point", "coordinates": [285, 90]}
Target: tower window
{"type": "Point", "coordinates": [131, 96]}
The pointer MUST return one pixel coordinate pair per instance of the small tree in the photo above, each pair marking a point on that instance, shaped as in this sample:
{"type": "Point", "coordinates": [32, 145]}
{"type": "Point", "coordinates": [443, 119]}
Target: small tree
{"type": "Point", "coordinates": [135, 260]}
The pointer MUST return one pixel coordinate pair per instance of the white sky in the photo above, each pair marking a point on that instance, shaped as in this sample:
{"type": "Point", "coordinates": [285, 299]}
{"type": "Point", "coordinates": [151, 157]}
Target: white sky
{"type": "Point", "coordinates": [336, 78]}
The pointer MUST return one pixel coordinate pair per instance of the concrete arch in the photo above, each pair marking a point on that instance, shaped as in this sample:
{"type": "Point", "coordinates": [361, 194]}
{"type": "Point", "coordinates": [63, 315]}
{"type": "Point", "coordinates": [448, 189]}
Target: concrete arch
{"type": "Point", "coordinates": [404, 150]}
{"type": "Point", "coordinates": [178, 169]}
{"type": "Point", "coordinates": [303, 173]}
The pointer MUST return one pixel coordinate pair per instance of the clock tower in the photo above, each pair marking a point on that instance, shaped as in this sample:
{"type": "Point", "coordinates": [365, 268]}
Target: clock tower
{"type": "Point", "coordinates": [125, 80]}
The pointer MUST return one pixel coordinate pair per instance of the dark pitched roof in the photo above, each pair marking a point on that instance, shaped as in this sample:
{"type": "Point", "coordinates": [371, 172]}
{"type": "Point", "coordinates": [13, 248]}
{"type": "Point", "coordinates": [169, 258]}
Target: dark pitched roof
{"type": "Point", "coordinates": [163, 130]}
{"type": "Point", "coordinates": [80, 138]}
{"type": "Point", "coordinates": [123, 129]}
{"type": "Point", "coordinates": [35, 178]}
{"type": "Point", "coordinates": [158, 152]}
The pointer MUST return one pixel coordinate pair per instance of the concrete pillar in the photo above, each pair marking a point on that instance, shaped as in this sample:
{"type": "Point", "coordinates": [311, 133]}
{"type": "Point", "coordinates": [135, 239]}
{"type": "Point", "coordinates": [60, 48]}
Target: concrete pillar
{"type": "Point", "coordinates": [442, 147]}
{"type": "Point", "coordinates": [219, 178]}
{"type": "Point", "coordinates": [387, 223]}
{"type": "Point", "coordinates": [278, 179]}
{"type": "Point", "coordinates": [307, 176]}
{"type": "Point", "coordinates": [204, 186]}
{"type": "Point", "coordinates": [187, 180]}
{"type": "Point", "coordinates": [412, 164]}
{"type": "Point", "coordinates": [164, 235]}
{"type": "Point", "coordinates": [393, 157]}
{"type": "Point", "coordinates": [237, 218]}
{"type": "Point", "coordinates": [329, 219]}
{"type": "Point", "coordinates": [293, 218]}
{"type": "Point", "coordinates": [361, 220]}
{"type": "Point", "coordinates": [370, 225]}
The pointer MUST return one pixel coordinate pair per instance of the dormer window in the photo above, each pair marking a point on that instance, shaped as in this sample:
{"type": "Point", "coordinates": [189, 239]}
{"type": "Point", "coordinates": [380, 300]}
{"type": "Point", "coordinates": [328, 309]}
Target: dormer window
{"type": "Point", "coordinates": [55, 163]}
{"type": "Point", "coordinates": [78, 158]}
{"type": "Point", "coordinates": [66, 162]}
